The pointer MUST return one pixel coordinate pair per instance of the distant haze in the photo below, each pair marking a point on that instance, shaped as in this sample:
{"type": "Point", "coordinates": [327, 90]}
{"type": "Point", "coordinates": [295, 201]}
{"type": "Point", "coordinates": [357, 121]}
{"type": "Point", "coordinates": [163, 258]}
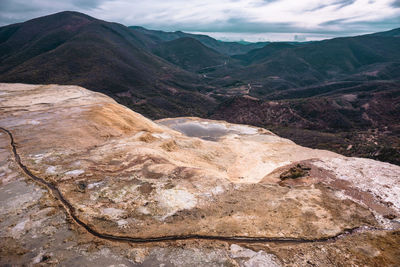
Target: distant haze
{"type": "Point", "coordinates": [251, 20]}
{"type": "Point", "coordinates": [269, 36]}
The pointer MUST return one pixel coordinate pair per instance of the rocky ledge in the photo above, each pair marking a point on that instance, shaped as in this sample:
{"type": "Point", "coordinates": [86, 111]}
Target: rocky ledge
{"type": "Point", "coordinates": [86, 181]}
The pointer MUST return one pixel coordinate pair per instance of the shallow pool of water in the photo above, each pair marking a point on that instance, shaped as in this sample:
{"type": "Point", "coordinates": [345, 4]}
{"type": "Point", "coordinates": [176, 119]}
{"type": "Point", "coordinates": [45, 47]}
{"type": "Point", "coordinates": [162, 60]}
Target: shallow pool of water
{"type": "Point", "coordinates": [206, 130]}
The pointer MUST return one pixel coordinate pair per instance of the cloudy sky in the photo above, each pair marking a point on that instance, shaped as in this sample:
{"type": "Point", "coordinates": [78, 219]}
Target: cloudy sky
{"type": "Point", "coordinates": [251, 20]}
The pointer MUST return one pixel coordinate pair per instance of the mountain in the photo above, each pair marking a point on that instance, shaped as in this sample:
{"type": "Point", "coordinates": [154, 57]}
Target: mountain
{"type": "Point", "coordinates": [339, 94]}
{"type": "Point", "coordinates": [85, 181]}
{"type": "Point", "coordinates": [190, 54]}
{"type": "Point", "coordinates": [226, 48]}
{"type": "Point", "coordinates": [391, 33]}
{"type": "Point", "coordinates": [260, 54]}
{"type": "Point", "coordinates": [73, 48]}
{"type": "Point", "coordinates": [282, 66]}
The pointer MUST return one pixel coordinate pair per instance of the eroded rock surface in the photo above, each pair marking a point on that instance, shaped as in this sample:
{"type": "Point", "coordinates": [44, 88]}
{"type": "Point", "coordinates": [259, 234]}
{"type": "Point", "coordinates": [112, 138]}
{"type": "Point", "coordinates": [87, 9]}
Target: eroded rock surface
{"type": "Point", "coordinates": [125, 175]}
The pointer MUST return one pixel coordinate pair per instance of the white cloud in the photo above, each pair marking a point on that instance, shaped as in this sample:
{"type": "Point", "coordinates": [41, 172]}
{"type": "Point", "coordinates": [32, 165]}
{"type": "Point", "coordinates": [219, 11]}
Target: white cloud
{"type": "Point", "coordinates": [305, 13]}
{"type": "Point", "coordinates": [240, 16]}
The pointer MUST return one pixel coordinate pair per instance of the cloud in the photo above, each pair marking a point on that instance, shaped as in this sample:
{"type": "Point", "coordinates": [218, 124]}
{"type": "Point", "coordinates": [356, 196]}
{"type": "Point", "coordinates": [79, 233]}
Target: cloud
{"type": "Point", "coordinates": [337, 17]}
{"type": "Point", "coordinates": [396, 3]}
{"type": "Point", "coordinates": [12, 11]}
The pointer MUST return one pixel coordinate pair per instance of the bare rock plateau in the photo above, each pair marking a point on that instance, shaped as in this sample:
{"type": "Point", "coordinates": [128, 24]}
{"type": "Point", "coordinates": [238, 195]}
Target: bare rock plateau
{"type": "Point", "coordinates": [85, 181]}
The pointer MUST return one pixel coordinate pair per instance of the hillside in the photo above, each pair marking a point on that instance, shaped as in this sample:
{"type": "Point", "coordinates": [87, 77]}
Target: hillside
{"type": "Point", "coordinates": [85, 181]}
{"type": "Point", "coordinates": [225, 48]}
{"type": "Point", "coordinates": [353, 124]}
{"type": "Point", "coordinates": [189, 54]}
{"type": "Point", "coordinates": [73, 48]}
{"type": "Point", "coordinates": [339, 93]}
{"type": "Point", "coordinates": [284, 66]}
{"type": "Point", "coordinates": [260, 54]}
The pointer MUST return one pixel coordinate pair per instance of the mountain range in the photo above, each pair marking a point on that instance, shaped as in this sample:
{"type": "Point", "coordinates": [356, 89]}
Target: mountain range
{"type": "Point", "coordinates": [72, 48]}
{"type": "Point", "coordinates": [341, 94]}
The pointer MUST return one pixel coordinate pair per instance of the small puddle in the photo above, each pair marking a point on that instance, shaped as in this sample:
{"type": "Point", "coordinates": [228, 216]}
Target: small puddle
{"type": "Point", "coordinates": [206, 130]}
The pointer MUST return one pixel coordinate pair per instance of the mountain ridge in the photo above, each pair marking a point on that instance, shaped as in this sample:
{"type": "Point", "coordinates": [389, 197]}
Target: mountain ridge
{"type": "Point", "coordinates": [106, 57]}
{"type": "Point", "coordinates": [189, 54]}
{"type": "Point", "coordinates": [190, 79]}
{"type": "Point", "coordinates": [226, 48]}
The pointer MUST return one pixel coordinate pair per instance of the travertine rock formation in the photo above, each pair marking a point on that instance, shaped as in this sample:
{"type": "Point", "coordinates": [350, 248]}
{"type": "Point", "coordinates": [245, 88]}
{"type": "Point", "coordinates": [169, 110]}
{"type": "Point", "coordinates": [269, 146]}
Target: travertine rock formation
{"type": "Point", "coordinates": [220, 194]}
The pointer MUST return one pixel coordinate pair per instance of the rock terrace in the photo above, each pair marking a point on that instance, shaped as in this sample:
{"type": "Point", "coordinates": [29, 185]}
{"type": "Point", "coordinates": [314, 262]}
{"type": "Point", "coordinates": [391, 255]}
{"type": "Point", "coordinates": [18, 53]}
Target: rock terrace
{"type": "Point", "coordinates": [127, 176]}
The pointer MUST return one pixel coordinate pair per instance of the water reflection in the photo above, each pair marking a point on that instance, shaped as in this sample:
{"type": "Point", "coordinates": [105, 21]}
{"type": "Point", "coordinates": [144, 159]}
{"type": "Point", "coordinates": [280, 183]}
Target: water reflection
{"type": "Point", "coordinates": [206, 130]}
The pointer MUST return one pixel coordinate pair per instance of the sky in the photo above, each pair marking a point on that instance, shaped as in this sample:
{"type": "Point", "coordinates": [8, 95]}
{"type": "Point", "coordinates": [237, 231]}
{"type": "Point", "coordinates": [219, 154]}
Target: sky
{"type": "Point", "coordinates": [229, 20]}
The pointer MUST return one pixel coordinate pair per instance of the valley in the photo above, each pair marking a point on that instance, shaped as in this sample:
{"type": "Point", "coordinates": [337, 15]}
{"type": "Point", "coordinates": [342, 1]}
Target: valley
{"type": "Point", "coordinates": [229, 133]}
{"type": "Point", "coordinates": [340, 94]}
